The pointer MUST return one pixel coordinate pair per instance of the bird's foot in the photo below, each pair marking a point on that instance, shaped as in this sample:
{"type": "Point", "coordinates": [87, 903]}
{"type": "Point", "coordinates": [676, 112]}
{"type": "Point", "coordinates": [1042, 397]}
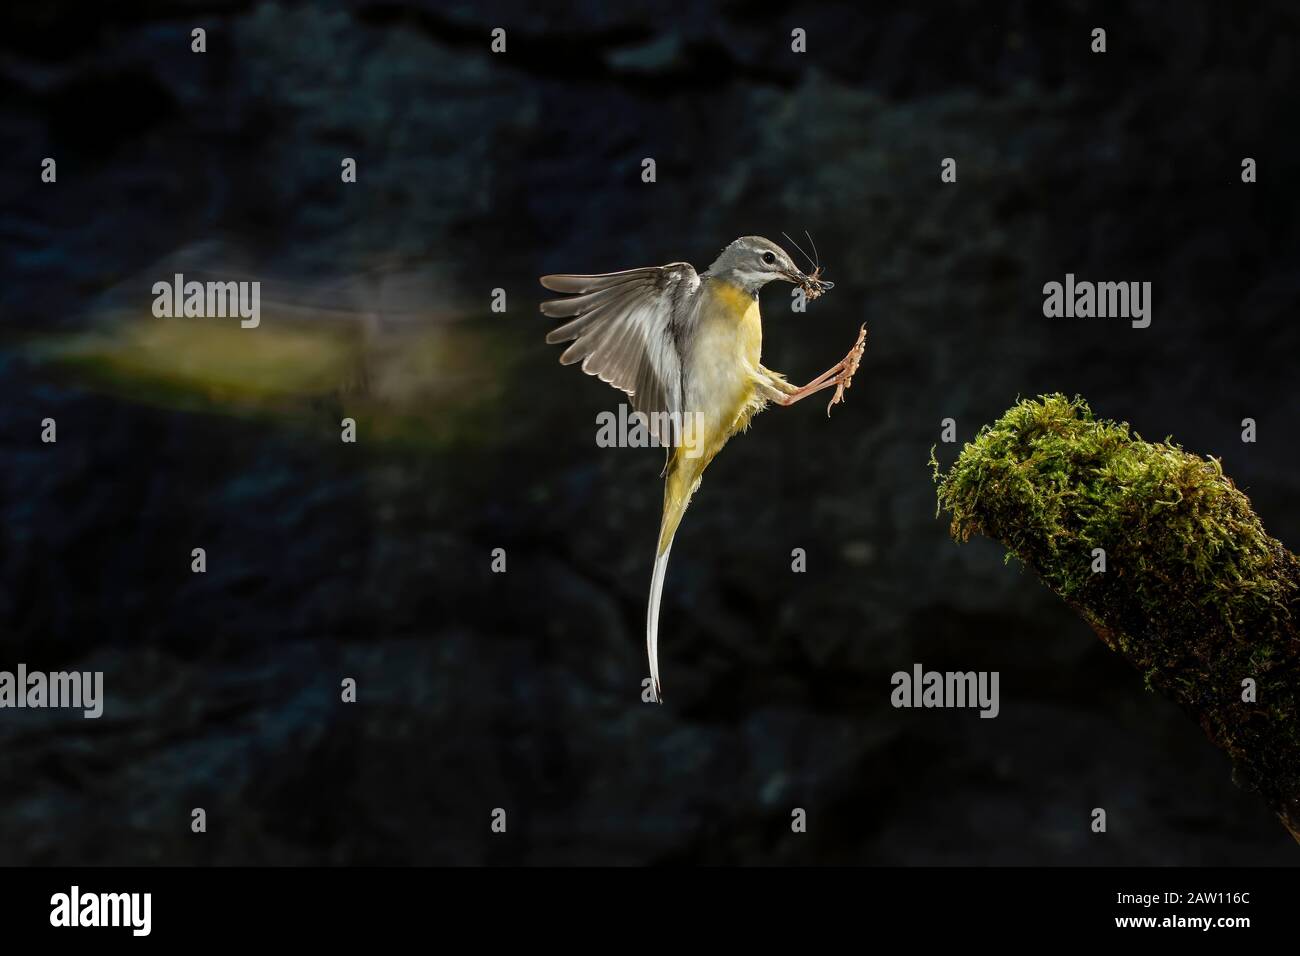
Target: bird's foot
{"type": "Point", "coordinates": [844, 380]}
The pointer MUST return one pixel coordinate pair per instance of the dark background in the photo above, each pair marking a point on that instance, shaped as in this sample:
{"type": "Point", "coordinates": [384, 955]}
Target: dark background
{"type": "Point", "coordinates": [522, 690]}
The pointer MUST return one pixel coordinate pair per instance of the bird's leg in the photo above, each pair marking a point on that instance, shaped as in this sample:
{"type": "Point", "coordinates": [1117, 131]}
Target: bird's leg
{"type": "Point", "coordinates": [825, 380]}
{"type": "Point", "coordinates": [776, 388]}
{"type": "Point", "coordinates": [839, 375]}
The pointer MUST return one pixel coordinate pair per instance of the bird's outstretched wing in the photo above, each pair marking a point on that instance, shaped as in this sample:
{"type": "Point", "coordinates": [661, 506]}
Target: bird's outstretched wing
{"type": "Point", "coordinates": [629, 329]}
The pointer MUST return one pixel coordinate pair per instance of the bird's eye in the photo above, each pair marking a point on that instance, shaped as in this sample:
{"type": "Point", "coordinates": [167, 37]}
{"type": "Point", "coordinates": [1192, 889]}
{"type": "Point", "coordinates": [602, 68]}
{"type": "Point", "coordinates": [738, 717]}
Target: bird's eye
{"type": "Point", "coordinates": [769, 258]}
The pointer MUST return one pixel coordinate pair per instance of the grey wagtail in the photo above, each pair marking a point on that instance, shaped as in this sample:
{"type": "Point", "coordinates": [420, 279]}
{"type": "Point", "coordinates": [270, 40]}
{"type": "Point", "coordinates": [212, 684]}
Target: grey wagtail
{"type": "Point", "coordinates": [685, 348]}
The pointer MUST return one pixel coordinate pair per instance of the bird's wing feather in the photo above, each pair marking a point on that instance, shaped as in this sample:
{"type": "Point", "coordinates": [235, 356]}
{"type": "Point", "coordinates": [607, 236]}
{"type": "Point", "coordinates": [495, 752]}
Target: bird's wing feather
{"type": "Point", "coordinates": [627, 329]}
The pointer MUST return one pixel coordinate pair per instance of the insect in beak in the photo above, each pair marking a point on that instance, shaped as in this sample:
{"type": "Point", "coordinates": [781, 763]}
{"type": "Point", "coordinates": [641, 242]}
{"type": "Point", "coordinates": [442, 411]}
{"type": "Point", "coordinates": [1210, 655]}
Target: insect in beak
{"type": "Point", "coordinates": [814, 285]}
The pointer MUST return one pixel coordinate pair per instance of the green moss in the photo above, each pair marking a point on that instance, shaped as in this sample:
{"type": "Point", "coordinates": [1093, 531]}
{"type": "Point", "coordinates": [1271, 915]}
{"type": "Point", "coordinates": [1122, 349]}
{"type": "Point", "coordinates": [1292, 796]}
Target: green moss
{"type": "Point", "coordinates": [1196, 595]}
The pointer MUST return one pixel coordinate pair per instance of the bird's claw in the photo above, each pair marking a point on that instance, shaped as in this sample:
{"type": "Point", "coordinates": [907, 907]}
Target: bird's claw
{"type": "Point", "coordinates": [844, 380]}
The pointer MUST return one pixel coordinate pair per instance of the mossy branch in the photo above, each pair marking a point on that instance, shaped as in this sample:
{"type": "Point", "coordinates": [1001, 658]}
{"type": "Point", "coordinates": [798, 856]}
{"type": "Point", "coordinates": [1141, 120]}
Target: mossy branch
{"type": "Point", "coordinates": [1195, 594]}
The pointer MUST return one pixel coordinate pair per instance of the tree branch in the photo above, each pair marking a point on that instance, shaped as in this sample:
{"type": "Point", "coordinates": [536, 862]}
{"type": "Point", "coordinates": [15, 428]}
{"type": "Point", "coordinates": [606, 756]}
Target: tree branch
{"type": "Point", "coordinates": [1195, 594]}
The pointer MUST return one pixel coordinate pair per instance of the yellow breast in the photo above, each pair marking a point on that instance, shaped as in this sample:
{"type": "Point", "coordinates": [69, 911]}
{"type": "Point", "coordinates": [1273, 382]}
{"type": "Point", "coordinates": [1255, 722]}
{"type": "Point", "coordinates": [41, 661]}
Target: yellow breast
{"type": "Point", "coordinates": [723, 365]}
{"type": "Point", "coordinates": [739, 309]}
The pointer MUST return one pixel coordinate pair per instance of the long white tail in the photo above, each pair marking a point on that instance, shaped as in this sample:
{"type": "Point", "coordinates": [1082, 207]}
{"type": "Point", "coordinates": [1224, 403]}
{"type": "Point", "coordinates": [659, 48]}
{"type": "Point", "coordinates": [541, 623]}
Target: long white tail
{"type": "Point", "coordinates": [652, 618]}
{"type": "Point", "coordinates": [682, 478]}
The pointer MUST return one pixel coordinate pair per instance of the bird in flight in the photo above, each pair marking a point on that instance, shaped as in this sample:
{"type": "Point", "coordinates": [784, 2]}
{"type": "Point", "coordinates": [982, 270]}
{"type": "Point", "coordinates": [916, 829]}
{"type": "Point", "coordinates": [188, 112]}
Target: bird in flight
{"type": "Point", "coordinates": [686, 348]}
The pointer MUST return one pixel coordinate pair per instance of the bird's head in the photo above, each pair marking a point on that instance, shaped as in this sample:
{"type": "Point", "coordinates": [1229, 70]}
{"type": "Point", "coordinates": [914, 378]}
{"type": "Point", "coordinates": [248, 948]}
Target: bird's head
{"type": "Point", "coordinates": [751, 262]}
